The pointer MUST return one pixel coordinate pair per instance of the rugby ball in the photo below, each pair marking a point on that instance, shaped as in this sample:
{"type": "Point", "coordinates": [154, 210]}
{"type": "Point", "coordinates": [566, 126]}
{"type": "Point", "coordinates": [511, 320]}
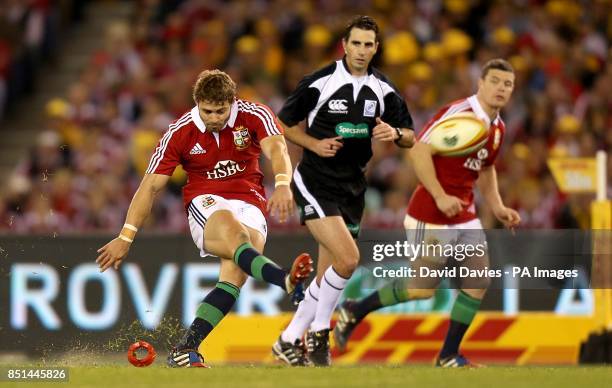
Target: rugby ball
{"type": "Point", "coordinates": [144, 361]}
{"type": "Point", "coordinates": [458, 135]}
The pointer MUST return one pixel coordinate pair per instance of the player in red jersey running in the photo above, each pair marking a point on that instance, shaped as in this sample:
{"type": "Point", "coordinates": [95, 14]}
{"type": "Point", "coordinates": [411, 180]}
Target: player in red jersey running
{"type": "Point", "coordinates": [441, 212]}
{"type": "Point", "coordinates": [218, 143]}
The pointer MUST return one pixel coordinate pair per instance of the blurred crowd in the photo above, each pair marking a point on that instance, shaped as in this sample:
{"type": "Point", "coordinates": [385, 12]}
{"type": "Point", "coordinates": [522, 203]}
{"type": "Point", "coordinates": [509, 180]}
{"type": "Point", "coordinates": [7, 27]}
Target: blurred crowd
{"type": "Point", "coordinates": [87, 163]}
{"type": "Point", "coordinates": [30, 34]}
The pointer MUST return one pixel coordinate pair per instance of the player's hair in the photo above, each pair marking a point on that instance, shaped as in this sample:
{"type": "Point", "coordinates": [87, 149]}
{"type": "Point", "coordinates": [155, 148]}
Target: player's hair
{"type": "Point", "coordinates": [214, 86]}
{"type": "Point", "coordinates": [363, 23]}
{"type": "Point", "coordinates": [496, 64]}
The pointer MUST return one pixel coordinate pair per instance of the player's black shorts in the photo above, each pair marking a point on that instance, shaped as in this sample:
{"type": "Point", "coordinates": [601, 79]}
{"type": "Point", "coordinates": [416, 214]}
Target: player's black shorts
{"type": "Point", "coordinates": [318, 197]}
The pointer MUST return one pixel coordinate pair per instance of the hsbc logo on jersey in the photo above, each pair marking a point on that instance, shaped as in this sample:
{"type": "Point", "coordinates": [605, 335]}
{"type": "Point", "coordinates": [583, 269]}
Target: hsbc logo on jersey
{"type": "Point", "coordinates": [337, 106]}
{"type": "Point", "coordinates": [482, 153]}
{"type": "Point", "coordinates": [475, 164]}
{"type": "Point", "coordinates": [224, 169]}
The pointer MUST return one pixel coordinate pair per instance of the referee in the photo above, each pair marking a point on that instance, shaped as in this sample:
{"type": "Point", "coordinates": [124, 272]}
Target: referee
{"type": "Point", "coordinates": [346, 104]}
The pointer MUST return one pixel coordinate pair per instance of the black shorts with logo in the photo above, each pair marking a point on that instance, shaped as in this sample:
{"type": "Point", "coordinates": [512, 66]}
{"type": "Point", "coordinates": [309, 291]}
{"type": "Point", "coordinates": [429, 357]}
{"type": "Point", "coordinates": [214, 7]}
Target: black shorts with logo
{"type": "Point", "coordinates": [318, 197]}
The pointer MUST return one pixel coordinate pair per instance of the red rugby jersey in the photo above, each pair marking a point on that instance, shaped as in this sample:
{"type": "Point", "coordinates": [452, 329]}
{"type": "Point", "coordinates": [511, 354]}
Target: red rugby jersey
{"type": "Point", "coordinates": [457, 175]}
{"type": "Point", "coordinates": [225, 163]}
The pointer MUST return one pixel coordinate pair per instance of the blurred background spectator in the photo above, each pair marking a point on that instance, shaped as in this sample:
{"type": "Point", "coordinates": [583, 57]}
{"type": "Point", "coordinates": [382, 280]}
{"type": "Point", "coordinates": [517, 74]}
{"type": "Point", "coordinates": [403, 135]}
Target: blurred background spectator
{"type": "Point", "coordinates": [84, 168]}
{"type": "Point", "coordinates": [30, 36]}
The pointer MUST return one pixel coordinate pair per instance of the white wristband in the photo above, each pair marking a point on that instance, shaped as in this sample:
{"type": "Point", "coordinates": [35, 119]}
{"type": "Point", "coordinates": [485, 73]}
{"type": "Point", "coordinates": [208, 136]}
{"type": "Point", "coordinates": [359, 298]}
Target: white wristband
{"type": "Point", "coordinates": [127, 239]}
{"type": "Point", "coordinates": [130, 227]}
{"type": "Point", "coordinates": [281, 183]}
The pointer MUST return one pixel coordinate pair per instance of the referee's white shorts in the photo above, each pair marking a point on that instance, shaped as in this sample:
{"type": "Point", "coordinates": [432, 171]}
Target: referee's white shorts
{"type": "Point", "coordinates": [203, 206]}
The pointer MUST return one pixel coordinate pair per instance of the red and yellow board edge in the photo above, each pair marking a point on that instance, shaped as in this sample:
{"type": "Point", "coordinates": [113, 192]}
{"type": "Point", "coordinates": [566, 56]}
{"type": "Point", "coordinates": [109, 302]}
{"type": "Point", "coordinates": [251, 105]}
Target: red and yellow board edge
{"type": "Point", "coordinates": [494, 338]}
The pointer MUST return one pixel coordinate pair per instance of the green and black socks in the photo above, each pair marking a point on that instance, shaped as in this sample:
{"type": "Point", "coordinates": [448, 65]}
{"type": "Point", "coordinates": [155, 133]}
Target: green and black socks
{"type": "Point", "coordinates": [462, 315]}
{"type": "Point", "coordinates": [258, 266]}
{"type": "Point", "coordinates": [390, 294]}
{"type": "Point", "coordinates": [222, 298]}
{"type": "Point", "coordinates": [211, 311]}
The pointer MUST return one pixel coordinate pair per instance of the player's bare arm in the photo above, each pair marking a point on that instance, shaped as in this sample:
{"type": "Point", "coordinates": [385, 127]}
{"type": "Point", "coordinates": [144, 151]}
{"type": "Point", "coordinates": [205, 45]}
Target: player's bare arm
{"type": "Point", "coordinates": [325, 148]}
{"type": "Point", "coordinates": [281, 201]}
{"type": "Point", "coordinates": [421, 158]}
{"type": "Point", "coordinates": [115, 251]}
{"type": "Point", "coordinates": [404, 137]}
{"type": "Point", "coordinates": [487, 184]}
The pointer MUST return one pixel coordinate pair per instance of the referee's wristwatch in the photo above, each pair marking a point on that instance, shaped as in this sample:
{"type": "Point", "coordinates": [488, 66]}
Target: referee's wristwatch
{"type": "Point", "coordinates": [400, 134]}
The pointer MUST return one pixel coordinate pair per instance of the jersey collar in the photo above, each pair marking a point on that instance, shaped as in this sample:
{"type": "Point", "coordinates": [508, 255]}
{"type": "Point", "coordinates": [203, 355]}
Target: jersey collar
{"type": "Point", "coordinates": [479, 112]}
{"type": "Point", "coordinates": [195, 116]}
{"type": "Point", "coordinates": [349, 71]}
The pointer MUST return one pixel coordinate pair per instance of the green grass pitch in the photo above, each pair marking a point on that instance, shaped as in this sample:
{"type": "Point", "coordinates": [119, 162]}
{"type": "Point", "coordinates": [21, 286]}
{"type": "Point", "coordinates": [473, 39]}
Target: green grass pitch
{"type": "Point", "coordinates": [120, 375]}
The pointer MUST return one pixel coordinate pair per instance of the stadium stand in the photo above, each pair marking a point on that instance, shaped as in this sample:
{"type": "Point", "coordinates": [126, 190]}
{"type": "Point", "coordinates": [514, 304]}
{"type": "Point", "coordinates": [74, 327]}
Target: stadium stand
{"type": "Point", "coordinates": [84, 167]}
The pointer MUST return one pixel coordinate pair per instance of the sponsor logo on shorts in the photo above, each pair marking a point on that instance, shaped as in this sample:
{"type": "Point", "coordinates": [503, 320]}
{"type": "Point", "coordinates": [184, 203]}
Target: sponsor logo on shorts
{"type": "Point", "coordinates": [369, 108]}
{"type": "Point", "coordinates": [350, 130]}
{"type": "Point", "coordinates": [353, 228]}
{"type": "Point", "coordinates": [308, 210]}
{"type": "Point", "coordinates": [337, 106]}
{"type": "Point", "coordinates": [224, 169]}
{"type": "Point", "coordinates": [433, 240]}
{"type": "Point", "coordinates": [242, 139]}
{"type": "Point", "coordinates": [208, 201]}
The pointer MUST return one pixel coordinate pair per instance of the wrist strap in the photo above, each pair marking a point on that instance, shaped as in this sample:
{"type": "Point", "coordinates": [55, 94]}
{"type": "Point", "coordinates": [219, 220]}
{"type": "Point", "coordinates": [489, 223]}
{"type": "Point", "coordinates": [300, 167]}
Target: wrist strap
{"type": "Point", "coordinates": [282, 180]}
{"type": "Point", "coordinates": [130, 227]}
{"type": "Point", "coordinates": [124, 238]}
{"type": "Point", "coordinates": [281, 183]}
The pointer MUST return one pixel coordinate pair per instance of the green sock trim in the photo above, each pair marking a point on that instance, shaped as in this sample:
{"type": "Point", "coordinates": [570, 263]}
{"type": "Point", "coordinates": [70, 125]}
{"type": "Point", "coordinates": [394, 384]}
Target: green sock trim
{"type": "Point", "coordinates": [241, 249]}
{"type": "Point", "coordinates": [229, 288]}
{"type": "Point", "coordinates": [257, 266]}
{"type": "Point", "coordinates": [209, 313]}
{"type": "Point", "coordinates": [465, 308]}
{"type": "Point", "coordinates": [393, 293]}
{"type": "Point", "coordinates": [385, 294]}
{"type": "Point", "coordinates": [401, 293]}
